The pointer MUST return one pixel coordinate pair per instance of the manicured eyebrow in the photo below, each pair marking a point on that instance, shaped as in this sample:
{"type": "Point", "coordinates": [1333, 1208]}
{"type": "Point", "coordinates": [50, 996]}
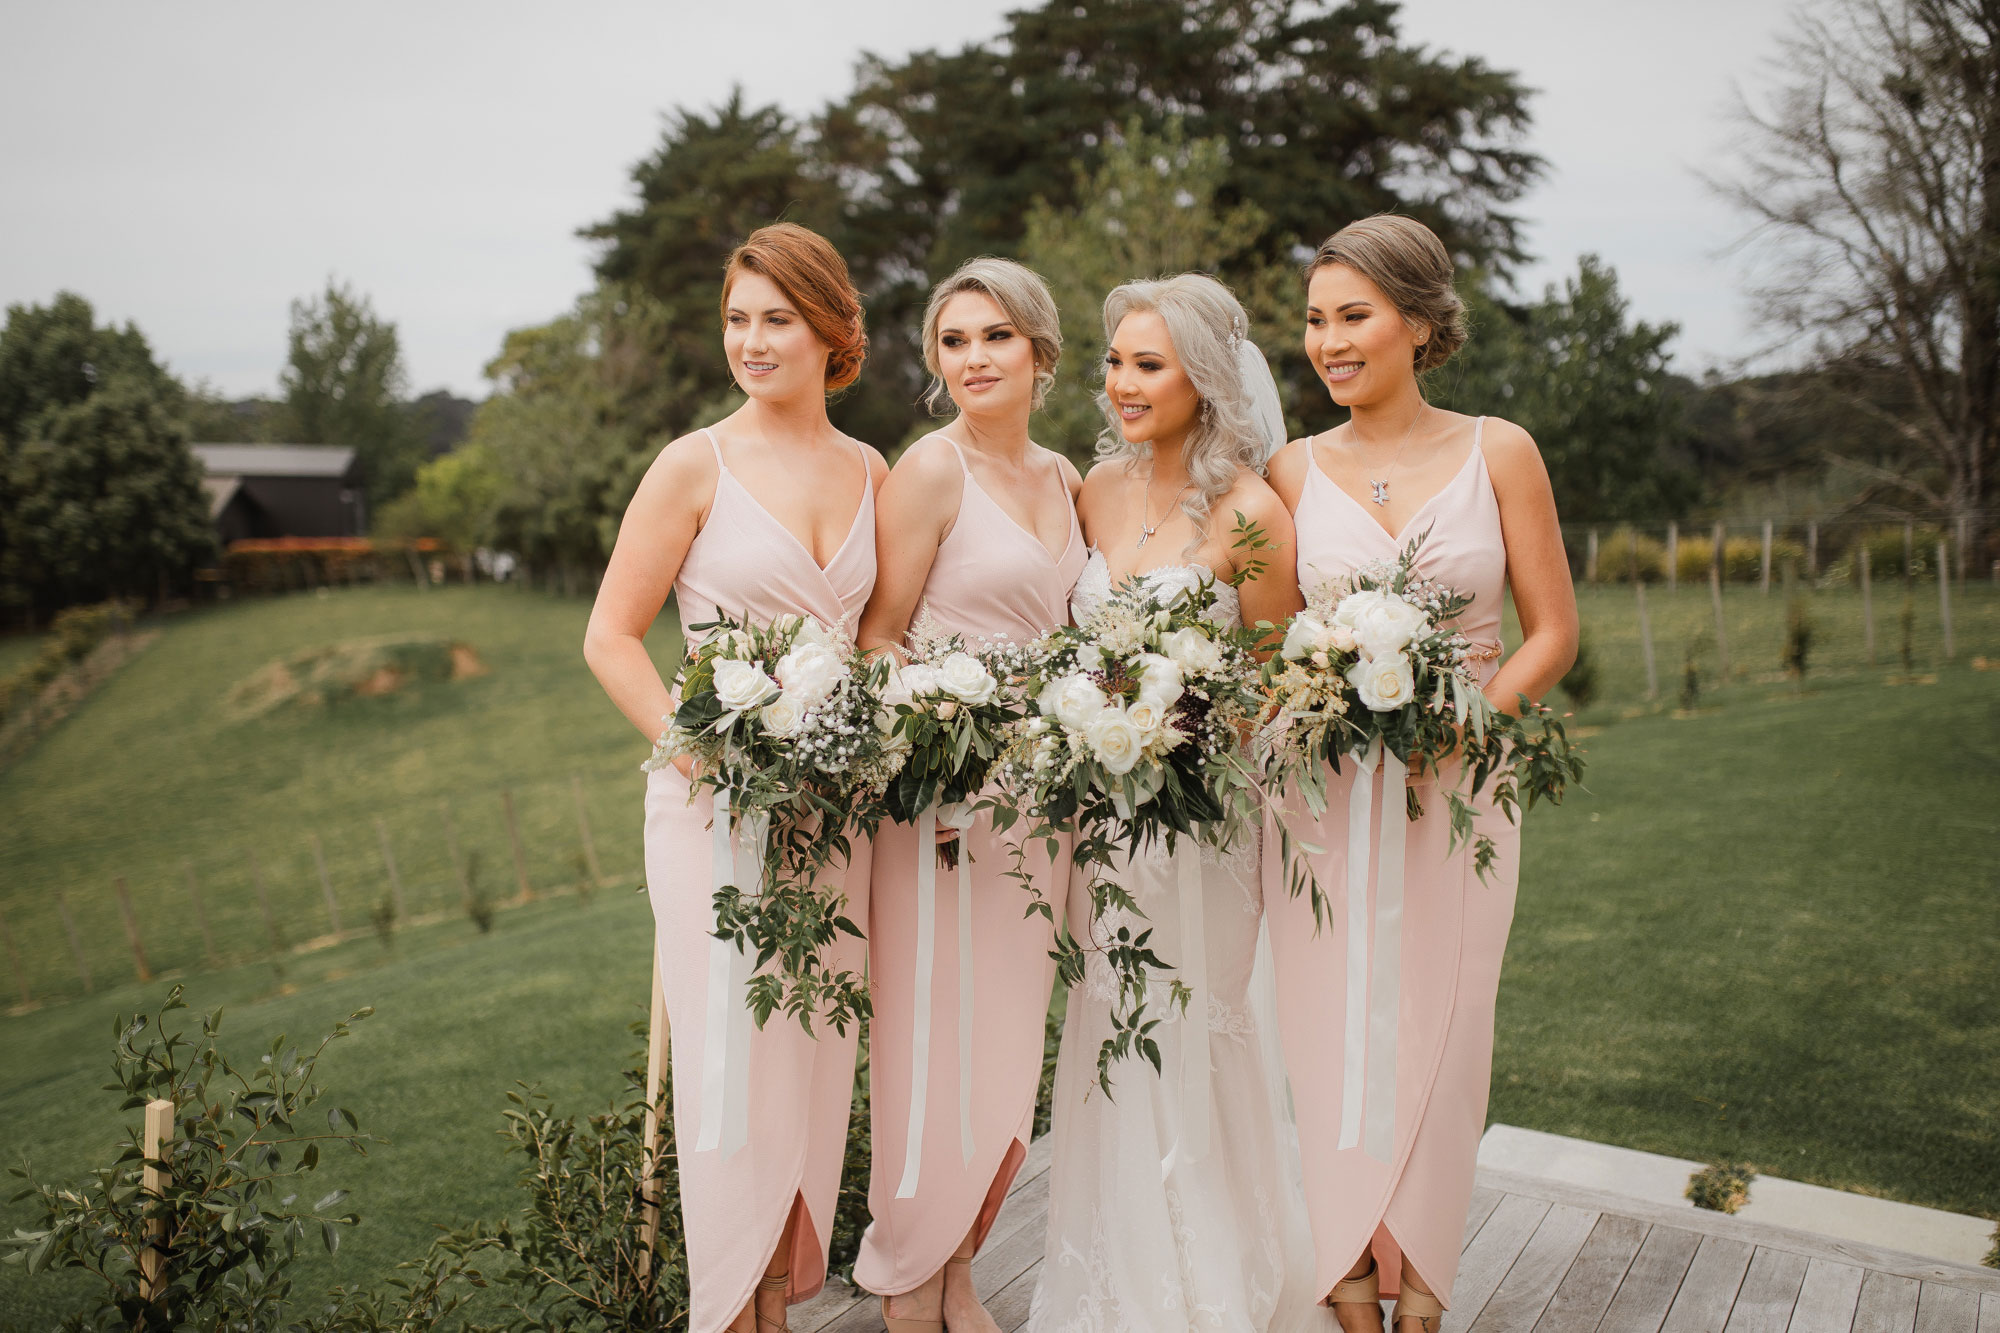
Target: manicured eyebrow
{"type": "Point", "coordinates": [774, 310]}
{"type": "Point", "coordinates": [1003, 324]}
{"type": "Point", "coordinates": [1115, 352]}
{"type": "Point", "coordinates": [1364, 302]}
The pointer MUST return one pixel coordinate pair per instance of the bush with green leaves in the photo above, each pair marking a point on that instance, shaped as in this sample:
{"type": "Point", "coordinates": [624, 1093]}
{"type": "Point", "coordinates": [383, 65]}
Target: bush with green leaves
{"type": "Point", "coordinates": [1627, 556]}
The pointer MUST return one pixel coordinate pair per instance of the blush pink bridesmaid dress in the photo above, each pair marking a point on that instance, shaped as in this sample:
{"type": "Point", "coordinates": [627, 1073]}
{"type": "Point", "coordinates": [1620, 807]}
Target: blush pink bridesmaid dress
{"type": "Point", "coordinates": [1428, 1049]}
{"type": "Point", "coordinates": [746, 563]}
{"type": "Point", "coordinates": [991, 578]}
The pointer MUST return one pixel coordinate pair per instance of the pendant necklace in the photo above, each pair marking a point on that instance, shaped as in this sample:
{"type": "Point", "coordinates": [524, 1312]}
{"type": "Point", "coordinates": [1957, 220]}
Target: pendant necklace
{"type": "Point", "coordinates": [1146, 508]}
{"type": "Point", "coordinates": [1380, 485]}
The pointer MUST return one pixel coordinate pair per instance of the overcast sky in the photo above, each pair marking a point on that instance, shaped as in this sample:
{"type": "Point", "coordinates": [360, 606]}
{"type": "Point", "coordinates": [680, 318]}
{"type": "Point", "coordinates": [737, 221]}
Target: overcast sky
{"type": "Point", "coordinates": [194, 167]}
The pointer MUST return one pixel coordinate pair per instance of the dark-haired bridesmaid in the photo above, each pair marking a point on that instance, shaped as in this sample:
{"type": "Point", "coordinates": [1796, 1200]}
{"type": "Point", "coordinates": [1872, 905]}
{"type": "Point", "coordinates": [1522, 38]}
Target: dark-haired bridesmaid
{"type": "Point", "coordinates": [769, 512]}
{"type": "Point", "coordinates": [1387, 1012]}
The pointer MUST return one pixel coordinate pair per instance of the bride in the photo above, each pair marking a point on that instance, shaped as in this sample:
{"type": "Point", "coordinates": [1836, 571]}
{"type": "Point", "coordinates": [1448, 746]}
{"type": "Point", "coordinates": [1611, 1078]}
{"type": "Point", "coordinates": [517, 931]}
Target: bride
{"type": "Point", "coordinates": [1154, 1224]}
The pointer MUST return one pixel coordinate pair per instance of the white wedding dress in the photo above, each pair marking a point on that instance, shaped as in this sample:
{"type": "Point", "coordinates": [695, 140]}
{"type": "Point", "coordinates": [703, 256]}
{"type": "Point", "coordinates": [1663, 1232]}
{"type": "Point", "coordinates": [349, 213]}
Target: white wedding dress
{"type": "Point", "coordinates": [1219, 1242]}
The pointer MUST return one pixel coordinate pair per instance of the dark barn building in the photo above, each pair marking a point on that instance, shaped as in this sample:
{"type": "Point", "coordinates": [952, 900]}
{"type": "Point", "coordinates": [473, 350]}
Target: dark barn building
{"type": "Point", "coordinates": [282, 490]}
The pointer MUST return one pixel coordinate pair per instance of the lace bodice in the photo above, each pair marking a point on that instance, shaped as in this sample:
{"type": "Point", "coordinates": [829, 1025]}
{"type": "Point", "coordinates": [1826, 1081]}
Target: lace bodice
{"type": "Point", "coordinates": [1093, 589]}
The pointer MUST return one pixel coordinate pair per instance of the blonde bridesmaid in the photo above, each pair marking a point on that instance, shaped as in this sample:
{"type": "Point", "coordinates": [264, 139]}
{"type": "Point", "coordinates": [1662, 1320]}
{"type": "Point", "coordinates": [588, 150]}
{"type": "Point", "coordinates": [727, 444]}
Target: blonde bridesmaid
{"type": "Point", "coordinates": [976, 535]}
{"type": "Point", "coordinates": [1388, 1208]}
{"type": "Point", "coordinates": [771, 511]}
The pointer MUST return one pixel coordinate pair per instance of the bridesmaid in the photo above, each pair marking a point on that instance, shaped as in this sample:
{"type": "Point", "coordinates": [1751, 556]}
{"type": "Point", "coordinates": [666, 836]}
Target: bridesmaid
{"type": "Point", "coordinates": [976, 535]}
{"type": "Point", "coordinates": [771, 511]}
{"type": "Point", "coordinates": [1381, 311]}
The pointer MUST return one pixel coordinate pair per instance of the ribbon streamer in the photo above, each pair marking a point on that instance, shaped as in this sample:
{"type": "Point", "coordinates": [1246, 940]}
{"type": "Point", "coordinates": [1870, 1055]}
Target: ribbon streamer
{"type": "Point", "coordinates": [725, 1055]}
{"type": "Point", "coordinates": [960, 817]}
{"type": "Point", "coordinates": [1385, 984]}
{"type": "Point", "coordinates": [1354, 1044]}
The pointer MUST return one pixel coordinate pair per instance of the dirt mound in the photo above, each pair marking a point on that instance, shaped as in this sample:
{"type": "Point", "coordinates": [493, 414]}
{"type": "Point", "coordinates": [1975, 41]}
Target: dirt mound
{"type": "Point", "coordinates": [351, 669]}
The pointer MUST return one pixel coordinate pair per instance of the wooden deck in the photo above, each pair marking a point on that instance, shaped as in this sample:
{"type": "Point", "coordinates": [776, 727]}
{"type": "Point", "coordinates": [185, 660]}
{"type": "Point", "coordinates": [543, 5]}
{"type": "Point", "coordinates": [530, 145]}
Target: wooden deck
{"type": "Point", "coordinates": [1543, 1257]}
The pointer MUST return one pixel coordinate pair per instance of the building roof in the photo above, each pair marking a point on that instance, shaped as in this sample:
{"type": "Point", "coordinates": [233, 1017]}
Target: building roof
{"type": "Point", "coordinates": [274, 460]}
{"type": "Point", "coordinates": [221, 490]}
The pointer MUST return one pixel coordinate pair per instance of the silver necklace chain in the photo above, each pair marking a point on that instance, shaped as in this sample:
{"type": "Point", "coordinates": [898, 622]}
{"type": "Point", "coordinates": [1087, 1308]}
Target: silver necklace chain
{"type": "Point", "coordinates": [1146, 529]}
{"type": "Point", "coordinates": [1380, 485]}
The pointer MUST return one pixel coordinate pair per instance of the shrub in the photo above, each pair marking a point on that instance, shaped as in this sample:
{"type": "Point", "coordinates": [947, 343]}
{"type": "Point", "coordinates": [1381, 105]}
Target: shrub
{"type": "Point", "coordinates": [1885, 553]}
{"type": "Point", "coordinates": [1742, 558]}
{"type": "Point", "coordinates": [1722, 1188]}
{"type": "Point", "coordinates": [1798, 637]}
{"type": "Point", "coordinates": [73, 636]}
{"type": "Point", "coordinates": [1580, 681]}
{"type": "Point", "coordinates": [1691, 676]}
{"type": "Point", "coordinates": [1626, 554]}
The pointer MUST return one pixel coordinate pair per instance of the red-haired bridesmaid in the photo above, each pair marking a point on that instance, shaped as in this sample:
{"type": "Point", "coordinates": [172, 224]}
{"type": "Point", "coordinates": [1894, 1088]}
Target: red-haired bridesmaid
{"type": "Point", "coordinates": [769, 512]}
{"type": "Point", "coordinates": [1387, 1013]}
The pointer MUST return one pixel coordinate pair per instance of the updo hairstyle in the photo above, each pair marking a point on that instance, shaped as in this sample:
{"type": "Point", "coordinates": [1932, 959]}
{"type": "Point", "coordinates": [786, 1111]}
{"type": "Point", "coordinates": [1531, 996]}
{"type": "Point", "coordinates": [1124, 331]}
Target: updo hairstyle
{"type": "Point", "coordinates": [1409, 263]}
{"type": "Point", "coordinates": [1022, 296]}
{"type": "Point", "coordinates": [813, 276]}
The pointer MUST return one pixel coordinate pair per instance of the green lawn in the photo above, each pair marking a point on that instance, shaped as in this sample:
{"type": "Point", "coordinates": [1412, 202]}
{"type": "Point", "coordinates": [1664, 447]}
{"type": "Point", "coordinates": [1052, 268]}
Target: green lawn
{"type": "Point", "coordinates": [17, 650]}
{"type": "Point", "coordinates": [1767, 931]}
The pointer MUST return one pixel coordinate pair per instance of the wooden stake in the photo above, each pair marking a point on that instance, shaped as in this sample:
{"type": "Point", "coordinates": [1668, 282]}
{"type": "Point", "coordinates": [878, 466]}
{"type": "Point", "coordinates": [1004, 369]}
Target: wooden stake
{"type": "Point", "coordinates": [1909, 553]}
{"type": "Point", "coordinates": [389, 861]}
{"type": "Point", "coordinates": [583, 827]}
{"type": "Point", "coordinates": [75, 942]}
{"type": "Point", "coordinates": [457, 861]}
{"type": "Point", "coordinates": [1646, 641]}
{"type": "Point", "coordinates": [325, 884]}
{"type": "Point", "coordinates": [14, 961]}
{"type": "Point", "coordinates": [656, 1070]}
{"type": "Point", "coordinates": [1944, 599]}
{"type": "Point", "coordinates": [264, 904]}
{"type": "Point", "coordinates": [132, 930]}
{"type": "Point", "coordinates": [1590, 557]}
{"type": "Point", "coordinates": [1673, 556]}
{"type": "Point", "coordinates": [1721, 540]}
{"type": "Point", "coordinates": [1764, 567]}
{"type": "Point", "coordinates": [1721, 633]}
{"type": "Point", "coordinates": [200, 913]}
{"type": "Point", "coordinates": [1867, 606]}
{"type": "Point", "coordinates": [514, 837]}
{"type": "Point", "coordinates": [1964, 546]}
{"type": "Point", "coordinates": [1812, 550]}
{"type": "Point", "coordinates": [159, 1132]}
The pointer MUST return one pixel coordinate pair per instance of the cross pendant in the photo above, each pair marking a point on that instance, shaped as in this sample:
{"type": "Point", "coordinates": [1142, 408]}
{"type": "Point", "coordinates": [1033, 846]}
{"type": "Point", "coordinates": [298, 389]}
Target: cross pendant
{"type": "Point", "coordinates": [1144, 533]}
{"type": "Point", "coordinates": [1381, 490]}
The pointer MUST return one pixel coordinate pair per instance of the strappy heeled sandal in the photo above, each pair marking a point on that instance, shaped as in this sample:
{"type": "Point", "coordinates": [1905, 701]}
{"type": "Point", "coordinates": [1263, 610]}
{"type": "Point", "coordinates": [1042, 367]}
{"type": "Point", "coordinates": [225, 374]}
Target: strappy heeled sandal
{"type": "Point", "coordinates": [893, 1324]}
{"type": "Point", "coordinates": [1422, 1306]}
{"type": "Point", "coordinates": [781, 1284]}
{"type": "Point", "coordinates": [1363, 1290]}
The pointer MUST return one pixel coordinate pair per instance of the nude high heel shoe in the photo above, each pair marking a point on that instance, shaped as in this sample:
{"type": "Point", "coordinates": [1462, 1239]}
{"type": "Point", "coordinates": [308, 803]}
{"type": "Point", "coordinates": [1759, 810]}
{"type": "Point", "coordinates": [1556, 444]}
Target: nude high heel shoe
{"type": "Point", "coordinates": [1418, 1304]}
{"type": "Point", "coordinates": [1363, 1290]}
{"type": "Point", "coordinates": [779, 1283]}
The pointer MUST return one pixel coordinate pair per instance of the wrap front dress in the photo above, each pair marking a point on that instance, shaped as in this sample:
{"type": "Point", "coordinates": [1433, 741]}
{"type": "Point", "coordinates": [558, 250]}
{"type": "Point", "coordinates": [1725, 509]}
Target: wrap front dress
{"type": "Point", "coordinates": [991, 578]}
{"type": "Point", "coordinates": [744, 562]}
{"type": "Point", "coordinates": [1438, 1011]}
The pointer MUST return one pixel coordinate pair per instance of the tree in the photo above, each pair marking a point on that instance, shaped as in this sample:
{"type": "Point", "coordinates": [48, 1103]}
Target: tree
{"type": "Point", "coordinates": [99, 494]}
{"type": "Point", "coordinates": [1592, 388]}
{"type": "Point", "coordinates": [1873, 179]}
{"type": "Point", "coordinates": [344, 383]}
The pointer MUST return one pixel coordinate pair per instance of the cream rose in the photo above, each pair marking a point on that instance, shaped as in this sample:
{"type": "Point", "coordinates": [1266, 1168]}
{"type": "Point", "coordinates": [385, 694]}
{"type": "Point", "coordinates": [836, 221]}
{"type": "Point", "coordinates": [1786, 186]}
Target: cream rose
{"type": "Point", "coordinates": [962, 675]}
{"type": "Point", "coordinates": [1193, 650]}
{"type": "Point", "coordinates": [781, 717]}
{"type": "Point", "coordinates": [810, 671]}
{"type": "Point", "coordinates": [741, 686]}
{"type": "Point", "coordinates": [1148, 717]}
{"type": "Point", "coordinates": [1383, 623]}
{"type": "Point", "coordinates": [1159, 678]}
{"type": "Point", "coordinates": [1384, 683]}
{"type": "Point", "coordinates": [1114, 741]}
{"type": "Point", "coordinates": [1303, 637]}
{"type": "Point", "coordinates": [1074, 700]}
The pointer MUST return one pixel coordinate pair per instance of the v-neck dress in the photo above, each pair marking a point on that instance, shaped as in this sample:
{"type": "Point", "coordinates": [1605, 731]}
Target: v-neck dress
{"type": "Point", "coordinates": [746, 563]}
{"type": "Point", "coordinates": [991, 578]}
{"type": "Point", "coordinates": [1453, 933]}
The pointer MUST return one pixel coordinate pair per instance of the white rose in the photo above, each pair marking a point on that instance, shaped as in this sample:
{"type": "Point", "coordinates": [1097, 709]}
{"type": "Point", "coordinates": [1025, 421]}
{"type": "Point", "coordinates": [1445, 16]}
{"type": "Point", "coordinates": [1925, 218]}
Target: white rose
{"type": "Point", "coordinates": [1383, 623]}
{"type": "Point", "coordinates": [1384, 683]}
{"type": "Point", "coordinates": [1342, 638]}
{"type": "Point", "coordinates": [1159, 678]}
{"type": "Point", "coordinates": [1303, 636]}
{"type": "Point", "coordinates": [742, 685]}
{"type": "Point", "coordinates": [1148, 717]}
{"type": "Point", "coordinates": [782, 715]}
{"type": "Point", "coordinates": [961, 674]}
{"type": "Point", "coordinates": [1090, 658]}
{"type": "Point", "coordinates": [812, 632]}
{"type": "Point", "coordinates": [1074, 700]}
{"type": "Point", "coordinates": [1193, 650]}
{"type": "Point", "coordinates": [896, 691]}
{"type": "Point", "coordinates": [738, 643]}
{"type": "Point", "coordinates": [810, 671]}
{"type": "Point", "coordinates": [1114, 741]}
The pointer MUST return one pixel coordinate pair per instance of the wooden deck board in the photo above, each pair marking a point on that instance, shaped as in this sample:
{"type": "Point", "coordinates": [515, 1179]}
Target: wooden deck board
{"type": "Point", "coordinates": [1827, 1298]}
{"type": "Point", "coordinates": [1769, 1294]}
{"type": "Point", "coordinates": [1580, 1302]}
{"type": "Point", "coordinates": [1525, 1292]}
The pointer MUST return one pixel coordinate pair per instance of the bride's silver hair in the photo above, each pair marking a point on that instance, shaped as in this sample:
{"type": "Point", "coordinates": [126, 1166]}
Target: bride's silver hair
{"type": "Point", "coordinates": [1207, 326]}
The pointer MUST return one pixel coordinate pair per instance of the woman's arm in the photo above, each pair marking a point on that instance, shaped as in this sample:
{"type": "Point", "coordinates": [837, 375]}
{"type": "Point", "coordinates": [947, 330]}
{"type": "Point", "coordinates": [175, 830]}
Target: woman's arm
{"type": "Point", "coordinates": [914, 513]}
{"type": "Point", "coordinates": [653, 539]}
{"type": "Point", "coordinates": [1286, 472]}
{"type": "Point", "coordinates": [1537, 568]}
{"type": "Point", "coordinates": [1272, 593]}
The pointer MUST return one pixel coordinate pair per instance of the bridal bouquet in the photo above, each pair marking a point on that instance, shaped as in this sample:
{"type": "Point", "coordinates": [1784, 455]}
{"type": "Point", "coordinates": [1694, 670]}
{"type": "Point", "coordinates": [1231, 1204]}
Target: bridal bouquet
{"type": "Point", "coordinates": [785, 724]}
{"type": "Point", "coordinates": [1140, 714]}
{"type": "Point", "coordinates": [1374, 664]}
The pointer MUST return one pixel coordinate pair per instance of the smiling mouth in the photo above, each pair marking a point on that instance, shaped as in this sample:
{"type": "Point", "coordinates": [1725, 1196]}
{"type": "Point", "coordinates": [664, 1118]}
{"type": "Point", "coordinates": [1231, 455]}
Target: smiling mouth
{"type": "Point", "coordinates": [760, 367]}
{"type": "Point", "coordinates": [1343, 370]}
{"type": "Point", "coordinates": [982, 381]}
{"type": "Point", "coordinates": [1133, 411]}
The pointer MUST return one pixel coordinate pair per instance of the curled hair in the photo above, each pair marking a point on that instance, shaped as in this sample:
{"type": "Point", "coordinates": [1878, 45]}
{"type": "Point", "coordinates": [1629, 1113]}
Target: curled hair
{"type": "Point", "coordinates": [1206, 323]}
{"type": "Point", "coordinates": [1409, 263]}
{"type": "Point", "coordinates": [1022, 295]}
{"type": "Point", "coordinates": [813, 277]}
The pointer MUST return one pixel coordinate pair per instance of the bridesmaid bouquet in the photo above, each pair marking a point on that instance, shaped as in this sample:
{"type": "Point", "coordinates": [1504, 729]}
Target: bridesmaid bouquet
{"type": "Point", "coordinates": [1374, 664]}
{"type": "Point", "coordinates": [792, 753]}
{"type": "Point", "coordinates": [1140, 714]}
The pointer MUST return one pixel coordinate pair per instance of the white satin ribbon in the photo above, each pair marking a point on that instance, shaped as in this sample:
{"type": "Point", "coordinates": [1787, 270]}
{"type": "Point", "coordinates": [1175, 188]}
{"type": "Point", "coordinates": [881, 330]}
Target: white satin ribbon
{"type": "Point", "coordinates": [1374, 996]}
{"type": "Point", "coordinates": [1196, 1069]}
{"type": "Point", "coordinates": [725, 1056]}
{"type": "Point", "coordinates": [959, 817]}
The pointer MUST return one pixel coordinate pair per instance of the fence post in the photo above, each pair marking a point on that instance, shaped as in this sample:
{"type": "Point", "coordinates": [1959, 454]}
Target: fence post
{"type": "Point", "coordinates": [1944, 598]}
{"type": "Point", "coordinates": [1646, 640]}
{"type": "Point", "coordinates": [1812, 550]}
{"type": "Point", "coordinates": [457, 861]}
{"type": "Point", "coordinates": [1673, 556]}
{"type": "Point", "coordinates": [1590, 557]}
{"type": "Point", "coordinates": [264, 904]}
{"type": "Point", "coordinates": [656, 1068]}
{"type": "Point", "coordinates": [75, 943]}
{"type": "Point", "coordinates": [1721, 634]}
{"type": "Point", "coordinates": [1909, 552]}
{"type": "Point", "coordinates": [1721, 539]}
{"type": "Point", "coordinates": [132, 930]}
{"type": "Point", "coordinates": [200, 912]}
{"type": "Point", "coordinates": [159, 1132]}
{"type": "Point", "coordinates": [583, 827]}
{"type": "Point", "coordinates": [1764, 566]}
{"type": "Point", "coordinates": [389, 860]}
{"type": "Point", "coordinates": [14, 961]}
{"type": "Point", "coordinates": [1964, 546]}
{"type": "Point", "coordinates": [325, 884]}
{"type": "Point", "coordinates": [514, 838]}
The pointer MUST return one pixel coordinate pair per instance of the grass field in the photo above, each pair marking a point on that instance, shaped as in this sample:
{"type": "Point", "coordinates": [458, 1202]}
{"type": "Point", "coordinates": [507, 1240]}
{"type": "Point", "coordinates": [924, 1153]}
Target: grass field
{"type": "Point", "coordinates": [17, 650]}
{"type": "Point", "coordinates": [1766, 931]}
